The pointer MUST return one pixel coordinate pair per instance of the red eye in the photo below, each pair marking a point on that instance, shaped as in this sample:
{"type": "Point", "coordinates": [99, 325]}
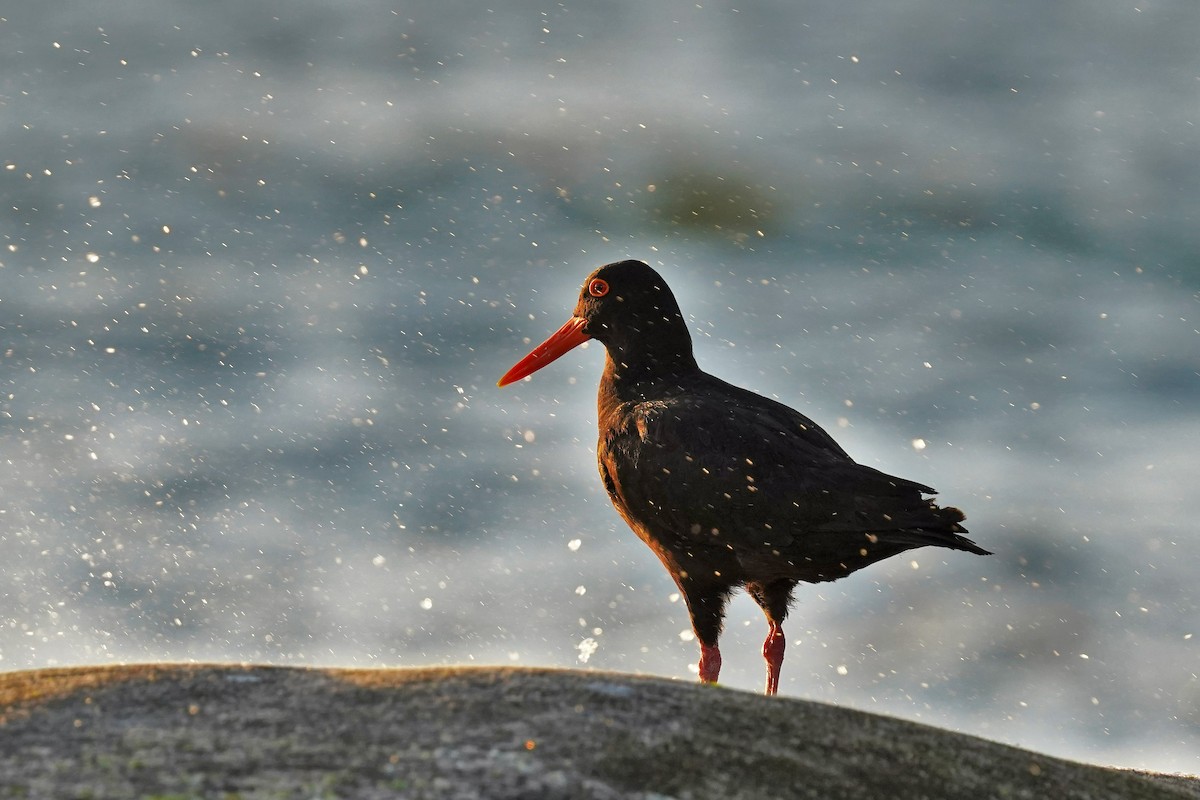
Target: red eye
{"type": "Point", "coordinates": [598, 287]}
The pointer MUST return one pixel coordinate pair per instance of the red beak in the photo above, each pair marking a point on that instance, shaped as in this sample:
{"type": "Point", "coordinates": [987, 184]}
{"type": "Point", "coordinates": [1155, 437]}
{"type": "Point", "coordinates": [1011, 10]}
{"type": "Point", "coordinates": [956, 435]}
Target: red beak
{"type": "Point", "coordinates": [565, 338]}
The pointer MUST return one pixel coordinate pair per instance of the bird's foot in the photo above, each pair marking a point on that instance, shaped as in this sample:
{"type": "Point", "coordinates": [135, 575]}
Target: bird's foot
{"type": "Point", "coordinates": [773, 649]}
{"type": "Point", "coordinates": [710, 663]}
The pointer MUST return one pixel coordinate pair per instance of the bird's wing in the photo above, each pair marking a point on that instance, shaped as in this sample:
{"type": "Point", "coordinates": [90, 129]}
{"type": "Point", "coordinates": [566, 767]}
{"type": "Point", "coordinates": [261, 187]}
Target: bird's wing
{"type": "Point", "coordinates": [693, 463]}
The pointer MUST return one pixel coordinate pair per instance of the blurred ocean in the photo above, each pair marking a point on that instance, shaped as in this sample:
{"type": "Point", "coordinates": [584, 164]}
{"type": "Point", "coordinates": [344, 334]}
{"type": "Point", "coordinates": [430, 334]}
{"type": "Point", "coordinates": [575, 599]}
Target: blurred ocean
{"type": "Point", "coordinates": [261, 265]}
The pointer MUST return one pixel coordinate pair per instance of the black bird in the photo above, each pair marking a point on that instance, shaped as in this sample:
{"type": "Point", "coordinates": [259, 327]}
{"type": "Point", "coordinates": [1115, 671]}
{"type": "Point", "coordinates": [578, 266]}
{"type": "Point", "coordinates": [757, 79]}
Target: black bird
{"type": "Point", "coordinates": [728, 488]}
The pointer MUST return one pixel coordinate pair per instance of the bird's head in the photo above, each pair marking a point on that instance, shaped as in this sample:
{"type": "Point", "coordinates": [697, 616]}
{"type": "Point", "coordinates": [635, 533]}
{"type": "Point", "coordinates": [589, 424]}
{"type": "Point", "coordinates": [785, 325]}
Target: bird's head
{"type": "Point", "coordinates": [627, 307]}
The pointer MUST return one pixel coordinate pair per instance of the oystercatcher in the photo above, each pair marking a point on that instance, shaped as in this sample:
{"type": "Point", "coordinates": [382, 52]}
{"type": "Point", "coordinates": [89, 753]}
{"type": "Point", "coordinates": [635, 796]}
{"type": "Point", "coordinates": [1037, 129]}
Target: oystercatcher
{"type": "Point", "coordinates": [728, 488]}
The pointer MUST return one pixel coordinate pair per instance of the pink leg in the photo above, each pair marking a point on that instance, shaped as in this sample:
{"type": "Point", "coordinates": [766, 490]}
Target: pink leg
{"type": "Point", "coordinates": [710, 663]}
{"type": "Point", "coordinates": [773, 652]}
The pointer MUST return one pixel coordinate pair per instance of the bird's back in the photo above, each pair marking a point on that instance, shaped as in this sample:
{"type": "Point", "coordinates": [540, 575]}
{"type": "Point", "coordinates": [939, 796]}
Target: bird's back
{"type": "Point", "coordinates": [753, 489]}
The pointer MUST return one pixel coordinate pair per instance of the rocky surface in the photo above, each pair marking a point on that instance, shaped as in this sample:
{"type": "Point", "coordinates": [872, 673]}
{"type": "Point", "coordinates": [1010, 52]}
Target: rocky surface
{"type": "Point", "coordinates": [227, 731]}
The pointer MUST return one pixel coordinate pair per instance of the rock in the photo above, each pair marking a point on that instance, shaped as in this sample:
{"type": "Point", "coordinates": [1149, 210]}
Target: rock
{"type": "Point", "coordinates": [178, 731]}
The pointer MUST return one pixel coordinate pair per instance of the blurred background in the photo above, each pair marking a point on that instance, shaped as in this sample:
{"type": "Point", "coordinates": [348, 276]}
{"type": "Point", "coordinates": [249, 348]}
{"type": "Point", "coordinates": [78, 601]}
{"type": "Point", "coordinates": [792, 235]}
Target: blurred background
{"type": "Point", "coordinates": [261, 265]}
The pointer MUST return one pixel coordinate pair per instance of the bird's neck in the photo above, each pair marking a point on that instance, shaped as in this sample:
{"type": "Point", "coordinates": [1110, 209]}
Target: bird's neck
{"type": "Point", "coordinates": [648, 368]}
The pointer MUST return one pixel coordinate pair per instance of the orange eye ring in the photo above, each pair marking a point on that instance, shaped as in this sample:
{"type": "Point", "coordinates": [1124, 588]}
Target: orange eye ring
{"type": "Point", "coordinates": [598, 287]}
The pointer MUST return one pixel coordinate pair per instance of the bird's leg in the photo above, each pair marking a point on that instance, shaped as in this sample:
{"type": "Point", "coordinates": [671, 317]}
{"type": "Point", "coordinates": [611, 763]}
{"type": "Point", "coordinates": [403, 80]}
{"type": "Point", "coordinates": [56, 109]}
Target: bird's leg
{"type": "Point", "coordinates": [774, 599]}
{"type": "Point", "coordinates": [773, 652]}
{"type": "Point", "coordinates": [710, 662]}
{"type": "Point", "coordinates": [706, 606]}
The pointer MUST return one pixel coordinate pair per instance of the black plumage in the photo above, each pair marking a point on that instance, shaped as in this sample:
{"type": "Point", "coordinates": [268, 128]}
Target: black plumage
{"type": "Point", "coordinates": [728, 488]}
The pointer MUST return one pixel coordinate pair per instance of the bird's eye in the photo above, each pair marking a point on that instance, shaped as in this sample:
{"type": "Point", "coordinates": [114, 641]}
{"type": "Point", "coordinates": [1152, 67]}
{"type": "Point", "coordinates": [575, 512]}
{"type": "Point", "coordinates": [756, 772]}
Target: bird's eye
{"type": "Point", "coordinates": [598, 287]}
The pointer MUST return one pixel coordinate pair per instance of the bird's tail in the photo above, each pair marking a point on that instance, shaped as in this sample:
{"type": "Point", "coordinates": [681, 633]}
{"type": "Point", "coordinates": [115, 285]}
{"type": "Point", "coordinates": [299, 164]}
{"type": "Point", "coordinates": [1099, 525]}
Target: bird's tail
{"type": "Point", "coordinates": [944, 531]}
